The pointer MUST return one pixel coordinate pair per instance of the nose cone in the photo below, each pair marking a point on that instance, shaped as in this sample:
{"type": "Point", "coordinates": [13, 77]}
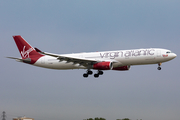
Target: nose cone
{"type": "Point", "coordinates": [174, 55]}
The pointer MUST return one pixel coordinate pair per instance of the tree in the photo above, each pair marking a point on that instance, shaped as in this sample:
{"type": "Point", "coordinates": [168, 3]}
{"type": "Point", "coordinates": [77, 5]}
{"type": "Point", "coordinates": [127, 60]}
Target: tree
{"type": "Point", "coordinates": [101, 119]}
{"type": "Point", "coordinates": [96, 118]}
{"type": "Point", "coordinates": [126, 119]}
{"type": "Point", "coordinates": [90, 119]}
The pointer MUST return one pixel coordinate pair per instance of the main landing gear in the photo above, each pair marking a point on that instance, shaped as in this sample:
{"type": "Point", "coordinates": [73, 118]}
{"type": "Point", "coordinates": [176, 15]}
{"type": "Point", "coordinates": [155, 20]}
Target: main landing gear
{"type": "Point", "coordinates": [159, 68]}
{"type": "Point", "coordinates": [89, 72]}
{"type": "Point", "coordinates": [98, 73]}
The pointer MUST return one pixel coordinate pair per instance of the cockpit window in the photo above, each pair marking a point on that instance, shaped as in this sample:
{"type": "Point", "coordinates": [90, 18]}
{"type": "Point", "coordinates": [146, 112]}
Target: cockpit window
{"type": "Point", "coordinates": [168, 52]}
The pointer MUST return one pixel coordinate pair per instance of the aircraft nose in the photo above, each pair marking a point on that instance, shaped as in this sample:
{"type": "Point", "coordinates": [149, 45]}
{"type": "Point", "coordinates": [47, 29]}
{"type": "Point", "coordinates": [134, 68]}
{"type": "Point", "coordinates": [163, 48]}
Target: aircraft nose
{"type": "Point", "coordinates": [174, 55]}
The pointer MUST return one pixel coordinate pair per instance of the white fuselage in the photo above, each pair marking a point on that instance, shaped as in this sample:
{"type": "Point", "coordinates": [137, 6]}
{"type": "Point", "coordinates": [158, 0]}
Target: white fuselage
{"type": "Point", "coordinates": [118, 57]}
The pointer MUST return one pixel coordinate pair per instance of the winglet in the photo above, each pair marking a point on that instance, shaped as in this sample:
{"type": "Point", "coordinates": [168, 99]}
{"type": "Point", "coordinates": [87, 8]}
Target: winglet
{"type": "Point", "coordinates": [37, 50]}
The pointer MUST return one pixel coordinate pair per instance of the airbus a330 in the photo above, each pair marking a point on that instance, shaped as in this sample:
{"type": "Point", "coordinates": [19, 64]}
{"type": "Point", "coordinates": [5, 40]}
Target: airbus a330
{"type": "Point", "coordinates": [119, 60]}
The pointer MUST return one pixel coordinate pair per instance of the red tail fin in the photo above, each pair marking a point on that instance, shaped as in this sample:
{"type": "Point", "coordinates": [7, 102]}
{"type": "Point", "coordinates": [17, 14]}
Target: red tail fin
{"type": "Point", "coordinates": [25, 49]}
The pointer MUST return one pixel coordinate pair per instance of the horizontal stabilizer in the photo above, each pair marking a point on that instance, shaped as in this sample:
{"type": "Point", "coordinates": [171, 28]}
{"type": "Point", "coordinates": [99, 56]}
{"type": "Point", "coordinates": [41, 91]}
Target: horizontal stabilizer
{"type": "Point", "coordinates": [17, 59]}
{"type": "Point", "coordinates": [27, 60]}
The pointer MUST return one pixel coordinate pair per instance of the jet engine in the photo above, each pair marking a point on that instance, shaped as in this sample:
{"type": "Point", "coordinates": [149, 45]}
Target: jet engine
{"type": "Point", "coordinates": [123, 68]}
{"type": "Point", "coordinates": [103, 66]}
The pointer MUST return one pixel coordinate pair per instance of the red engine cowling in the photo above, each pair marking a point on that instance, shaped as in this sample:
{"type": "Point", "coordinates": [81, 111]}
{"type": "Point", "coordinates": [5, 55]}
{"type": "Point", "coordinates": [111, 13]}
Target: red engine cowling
{"type": "Point", "coordinates": [103, 66]}
{"type": "Point", "coordinates": [123, 68]}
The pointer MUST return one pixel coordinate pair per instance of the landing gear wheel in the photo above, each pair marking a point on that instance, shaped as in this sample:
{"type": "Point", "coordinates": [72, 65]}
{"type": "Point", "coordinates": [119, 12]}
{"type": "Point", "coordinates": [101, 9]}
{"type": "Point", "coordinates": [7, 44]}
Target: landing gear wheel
{"type": "Point", "coordinates": [100, 72]}
{"type": "Point", "coordinates": [89, 72]}
{"type": "Point", "coordinates": [85, 75]}
{"type": "Point", "coordinates": [159, 68]}
{"type": "Point", "coordinates": [96, 75]}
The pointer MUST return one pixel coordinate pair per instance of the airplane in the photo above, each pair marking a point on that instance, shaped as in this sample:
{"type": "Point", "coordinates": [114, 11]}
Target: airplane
{"type": "Point", "coordinates": [119, 60]}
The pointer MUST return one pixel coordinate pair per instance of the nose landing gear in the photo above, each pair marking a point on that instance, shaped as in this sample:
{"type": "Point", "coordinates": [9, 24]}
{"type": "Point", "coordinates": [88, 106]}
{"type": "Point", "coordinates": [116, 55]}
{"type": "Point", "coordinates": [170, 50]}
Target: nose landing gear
{"type": "Point", "coordinates": [159, 68]}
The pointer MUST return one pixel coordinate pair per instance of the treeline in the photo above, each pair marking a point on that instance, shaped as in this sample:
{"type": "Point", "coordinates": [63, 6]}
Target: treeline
{"type": "Point", "coordinates": [105, 119]}
{"type": "Point", "coordinates": [96, 119]}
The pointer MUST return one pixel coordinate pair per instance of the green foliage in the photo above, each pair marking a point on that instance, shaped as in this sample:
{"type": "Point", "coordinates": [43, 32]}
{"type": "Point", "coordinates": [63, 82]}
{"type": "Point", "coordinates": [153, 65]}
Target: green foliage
{"type": "Point", "coordinates": [105, 119]}
{"type": "Point", "coordinates": [123, 119]}
{"type": "Point", "coordinates": [90, 119]}
{"type": "Point", "coordinates": [126, 119]}
{"type": "Point", "coordinates": [96, 118]}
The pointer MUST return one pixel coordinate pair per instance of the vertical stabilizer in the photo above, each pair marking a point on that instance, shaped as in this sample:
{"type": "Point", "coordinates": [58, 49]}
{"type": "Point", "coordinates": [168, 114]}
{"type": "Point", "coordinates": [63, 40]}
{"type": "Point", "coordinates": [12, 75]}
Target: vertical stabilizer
{"type": "Point", "coordinates": [26, 50]}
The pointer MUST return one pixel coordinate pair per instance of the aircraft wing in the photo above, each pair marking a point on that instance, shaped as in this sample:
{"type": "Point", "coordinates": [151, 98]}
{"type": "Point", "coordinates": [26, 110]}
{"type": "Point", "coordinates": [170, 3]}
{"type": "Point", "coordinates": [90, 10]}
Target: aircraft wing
{"type": "Point", "coordinates": [76, 60]}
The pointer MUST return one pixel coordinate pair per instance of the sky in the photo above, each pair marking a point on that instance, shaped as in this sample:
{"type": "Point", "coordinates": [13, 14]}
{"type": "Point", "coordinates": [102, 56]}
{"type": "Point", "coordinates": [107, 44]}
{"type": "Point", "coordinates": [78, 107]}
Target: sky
{"type": "Point", "coordinates": [66, 26]}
